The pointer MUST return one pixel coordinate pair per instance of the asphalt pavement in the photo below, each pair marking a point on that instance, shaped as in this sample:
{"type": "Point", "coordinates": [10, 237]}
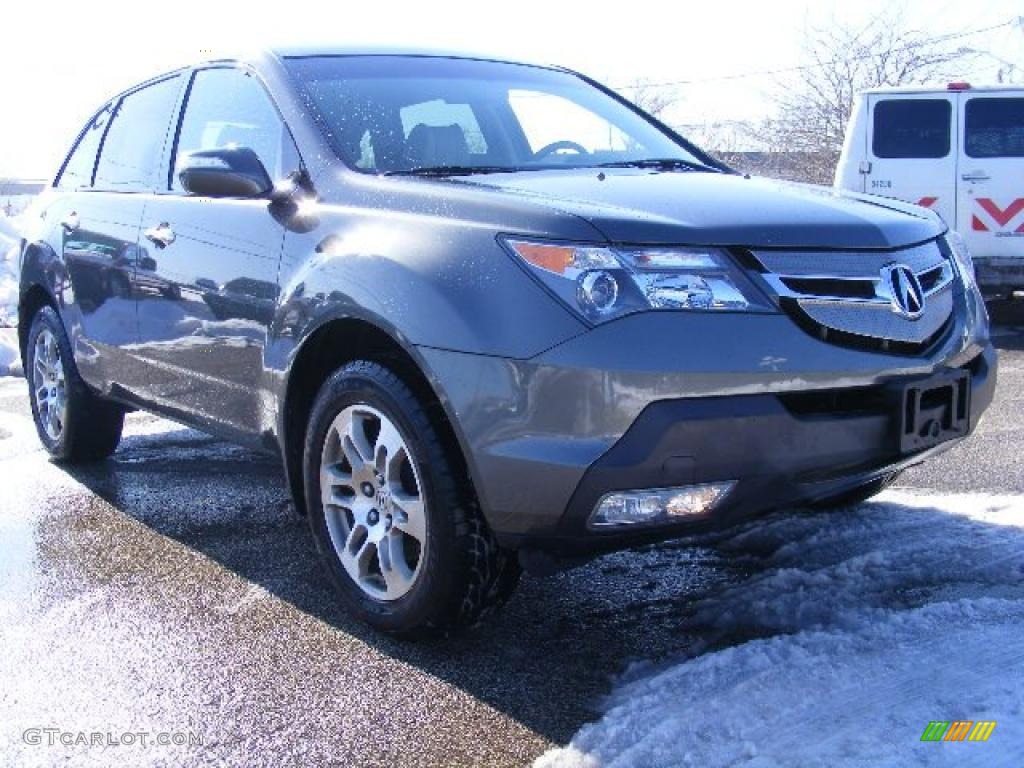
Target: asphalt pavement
{"type": "Point", "coordinates": [170, 593]}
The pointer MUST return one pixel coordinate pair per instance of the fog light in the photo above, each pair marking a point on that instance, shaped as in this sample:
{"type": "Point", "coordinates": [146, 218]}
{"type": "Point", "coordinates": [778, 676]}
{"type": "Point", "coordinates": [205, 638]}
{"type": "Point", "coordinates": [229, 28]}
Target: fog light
{"type": "Point", "coordinates": [658, 505]}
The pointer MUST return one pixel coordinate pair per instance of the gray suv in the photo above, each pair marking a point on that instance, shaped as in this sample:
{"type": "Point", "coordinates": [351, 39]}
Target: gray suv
{"type": "Point", "coordinates": [490, 315]}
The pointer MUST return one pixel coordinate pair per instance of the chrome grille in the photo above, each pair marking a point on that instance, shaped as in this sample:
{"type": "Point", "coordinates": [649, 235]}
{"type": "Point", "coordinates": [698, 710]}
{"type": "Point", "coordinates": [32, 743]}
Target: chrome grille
{"type": "Point", "coordinates": [843, 295]}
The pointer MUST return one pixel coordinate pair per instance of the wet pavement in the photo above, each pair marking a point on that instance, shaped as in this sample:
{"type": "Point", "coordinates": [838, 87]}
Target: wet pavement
{"type": "Point", "coordinates": [171, 593]}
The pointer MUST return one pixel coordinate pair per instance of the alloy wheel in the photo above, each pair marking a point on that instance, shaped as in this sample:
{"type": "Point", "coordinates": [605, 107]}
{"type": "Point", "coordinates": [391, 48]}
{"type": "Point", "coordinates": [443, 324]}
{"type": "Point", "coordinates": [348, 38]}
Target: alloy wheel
{"type": "Point", "coordinates": [49, 384]}
{"type": "Point", "coordinates": [373, 502]}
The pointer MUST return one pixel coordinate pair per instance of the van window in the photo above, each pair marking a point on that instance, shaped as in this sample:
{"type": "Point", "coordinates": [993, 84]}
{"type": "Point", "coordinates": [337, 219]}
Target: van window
{"type": "Point", "coordinates": [135, 140]}
{"type": "Point", "coordinates": [78, 169]}
{"type": "Point", "coordinates": [994, 128]}
{"type": "Point", "coordinates": [912, 128]}
{"type": "Point", "coordinates": [226, 107]}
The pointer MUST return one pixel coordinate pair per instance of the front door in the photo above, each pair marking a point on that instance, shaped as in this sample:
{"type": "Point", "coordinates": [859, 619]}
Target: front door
{"type": "Point", "coordinates": [208, 287]}
{"type": "Point", "coordinates": [911, 148]}
{"type": "Point", "coordinates": [991, 175]}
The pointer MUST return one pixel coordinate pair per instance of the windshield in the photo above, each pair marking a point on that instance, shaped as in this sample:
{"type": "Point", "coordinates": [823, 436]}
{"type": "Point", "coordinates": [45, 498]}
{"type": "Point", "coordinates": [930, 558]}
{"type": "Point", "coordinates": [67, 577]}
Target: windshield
{"type": "Point", "coordinates": [403, 114]}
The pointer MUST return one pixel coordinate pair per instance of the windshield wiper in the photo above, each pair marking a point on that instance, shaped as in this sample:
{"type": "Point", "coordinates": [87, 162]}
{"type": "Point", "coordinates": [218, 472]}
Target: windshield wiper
{"type": "Point", "coordinates": [451, 170]}
{"type": "Point", "coordinates": [664, 163]}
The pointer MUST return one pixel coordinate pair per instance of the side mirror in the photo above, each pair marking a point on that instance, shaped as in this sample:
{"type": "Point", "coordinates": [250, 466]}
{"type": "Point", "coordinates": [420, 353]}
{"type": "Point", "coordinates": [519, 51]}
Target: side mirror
{"type": "Point", "coordinates": [224, 172]}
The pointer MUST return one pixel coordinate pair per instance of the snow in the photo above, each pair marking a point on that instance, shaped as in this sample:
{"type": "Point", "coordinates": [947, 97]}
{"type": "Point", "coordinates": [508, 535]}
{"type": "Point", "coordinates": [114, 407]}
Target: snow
{"type": "Point", "coordinates": [9, 238]}
{"type": "Point", "coordinates": [852, 632]}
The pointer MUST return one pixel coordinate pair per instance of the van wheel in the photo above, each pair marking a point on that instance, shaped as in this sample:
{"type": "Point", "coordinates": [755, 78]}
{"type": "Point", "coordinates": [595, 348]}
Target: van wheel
{"type": "Point", "coordinates": [400, 533]}
{"type": "Point", "coordinates": [74, 425]}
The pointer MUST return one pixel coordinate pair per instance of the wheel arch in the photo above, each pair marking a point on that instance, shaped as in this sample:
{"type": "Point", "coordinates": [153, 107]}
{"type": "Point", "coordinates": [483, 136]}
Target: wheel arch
{"type": "Point", "coordinates": [35, 290]}
{"type": "Point", "coordinates": [334, 343]}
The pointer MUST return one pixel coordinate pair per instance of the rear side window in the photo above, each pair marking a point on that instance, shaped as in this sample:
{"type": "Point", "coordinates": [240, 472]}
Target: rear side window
{"type": "Point", "coordinates": [227, 107]}
{"type": "Point", "coordinates": [134, 144]}
{"type": "Point", "coordinates": [78, 169]}
{"type": "Point", "coordinates": [912, 128]}
{"type": "Point", "coordinates": [994, 128]}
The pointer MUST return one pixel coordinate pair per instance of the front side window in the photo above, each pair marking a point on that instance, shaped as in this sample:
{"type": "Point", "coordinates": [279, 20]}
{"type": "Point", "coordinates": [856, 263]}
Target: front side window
{"type": "Point", "coordinates": [134, 144]}
{"type": "Point", "coordinates": [994, 128]}
{"type": "Point", "coordinates": [912, 128]}
{"type": "Point", "coordinates": [229, 108]}
{"type": "Point", "coordinates": [78, 169]}
{"type": "Point", "coordinates": [401, 113]}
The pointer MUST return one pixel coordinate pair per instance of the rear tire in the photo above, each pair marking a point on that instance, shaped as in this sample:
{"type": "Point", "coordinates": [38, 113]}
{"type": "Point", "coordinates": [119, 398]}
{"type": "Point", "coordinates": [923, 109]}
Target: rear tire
{"type": "Point", "coordinates": [397, 527]}
{"type": "Point", "coordinates": [74, 424]}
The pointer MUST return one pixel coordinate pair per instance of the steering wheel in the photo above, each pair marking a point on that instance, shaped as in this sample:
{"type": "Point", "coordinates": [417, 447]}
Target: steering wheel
{"type": "Point", "coordinates": [554, 146]}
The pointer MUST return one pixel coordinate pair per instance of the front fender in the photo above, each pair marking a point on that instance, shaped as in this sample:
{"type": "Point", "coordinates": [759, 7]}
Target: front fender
{"type": "Point", "coordinates": [433, 281]}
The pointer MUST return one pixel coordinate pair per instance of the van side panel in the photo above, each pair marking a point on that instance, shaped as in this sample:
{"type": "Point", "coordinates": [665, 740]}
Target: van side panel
{"type": "Point", "coordinates": [911, 145]}
{"type": "Point", "coordinates": [855, 144]}
{"type": "Point", "coordinates": [990, 180]}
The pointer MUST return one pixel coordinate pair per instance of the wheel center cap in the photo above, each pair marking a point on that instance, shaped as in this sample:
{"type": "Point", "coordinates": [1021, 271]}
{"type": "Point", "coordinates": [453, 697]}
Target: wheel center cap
{"type": "Point", "coordinates": [384, 499]}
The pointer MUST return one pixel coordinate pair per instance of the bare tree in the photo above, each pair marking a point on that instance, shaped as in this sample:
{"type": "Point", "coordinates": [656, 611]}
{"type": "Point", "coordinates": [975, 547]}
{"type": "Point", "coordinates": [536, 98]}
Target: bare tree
{"type": "Point", "coordinates": [652, 99]}
{"type": "Point", "coordinates": [814, 104]}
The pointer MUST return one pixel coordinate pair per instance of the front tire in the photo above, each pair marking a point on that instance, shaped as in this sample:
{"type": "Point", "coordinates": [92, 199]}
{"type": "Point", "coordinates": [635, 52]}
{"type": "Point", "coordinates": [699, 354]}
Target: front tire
{"type": "Point", "coordinates": [74, 425]}
{"type": "Point", "coordinates": [857, 495]}
{"type": "Point", "coordinates": [400, 534]}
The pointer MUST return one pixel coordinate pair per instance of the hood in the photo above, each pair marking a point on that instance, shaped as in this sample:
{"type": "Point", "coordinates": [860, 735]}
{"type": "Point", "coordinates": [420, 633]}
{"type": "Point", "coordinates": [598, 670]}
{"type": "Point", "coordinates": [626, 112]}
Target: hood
{"type": "Point", "coordinates": [651, 206]}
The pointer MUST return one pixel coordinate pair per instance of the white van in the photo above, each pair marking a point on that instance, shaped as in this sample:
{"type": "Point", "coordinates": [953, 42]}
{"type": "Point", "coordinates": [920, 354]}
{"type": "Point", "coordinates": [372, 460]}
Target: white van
{"type": "Point", "coordinates": [958, 151]}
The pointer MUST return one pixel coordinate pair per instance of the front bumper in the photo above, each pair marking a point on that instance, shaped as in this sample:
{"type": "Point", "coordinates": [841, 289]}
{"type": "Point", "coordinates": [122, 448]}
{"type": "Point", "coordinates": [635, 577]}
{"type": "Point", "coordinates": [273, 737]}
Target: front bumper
{"type": "Point", "coordinates": [782, 450]}
{"type": "Point", "coordinates": [666, 399]}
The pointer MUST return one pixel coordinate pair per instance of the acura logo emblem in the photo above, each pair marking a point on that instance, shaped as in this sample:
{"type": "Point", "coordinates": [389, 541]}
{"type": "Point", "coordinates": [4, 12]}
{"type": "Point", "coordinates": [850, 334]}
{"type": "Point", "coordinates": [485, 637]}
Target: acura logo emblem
{"type": "Point", "coordinates": [904, 289]}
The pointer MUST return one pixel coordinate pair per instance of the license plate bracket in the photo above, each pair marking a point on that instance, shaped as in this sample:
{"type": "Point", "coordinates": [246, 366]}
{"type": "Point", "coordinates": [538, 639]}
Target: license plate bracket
{"type": "Point", "coordinates": [935, 410]}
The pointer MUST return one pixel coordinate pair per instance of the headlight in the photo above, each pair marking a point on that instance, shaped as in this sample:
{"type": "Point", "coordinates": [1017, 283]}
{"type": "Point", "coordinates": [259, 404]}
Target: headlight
{"type": "Point", "coordinates": [604, 282]}
{"type": "Point", "coordinates": [962, 257]}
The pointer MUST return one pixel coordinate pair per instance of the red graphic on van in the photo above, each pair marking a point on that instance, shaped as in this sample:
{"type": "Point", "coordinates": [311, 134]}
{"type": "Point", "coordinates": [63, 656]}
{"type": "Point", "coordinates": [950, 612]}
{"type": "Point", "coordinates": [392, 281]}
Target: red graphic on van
{"type": "Point", "coordinates": [999, 217]}
{"type": "Point", "coordinates": [927, 202]}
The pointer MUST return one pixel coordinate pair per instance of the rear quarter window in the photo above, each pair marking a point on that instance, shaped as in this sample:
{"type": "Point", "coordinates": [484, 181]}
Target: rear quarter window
{"type": "Point", "coordinates": [912, 128]}
{"type": "Point", "coordinates": [78, 169]}
{"type": "Point", "coordinates": [994, 127]}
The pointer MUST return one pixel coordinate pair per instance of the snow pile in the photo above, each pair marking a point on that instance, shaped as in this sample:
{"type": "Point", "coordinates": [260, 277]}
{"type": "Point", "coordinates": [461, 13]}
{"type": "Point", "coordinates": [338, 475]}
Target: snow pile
{"type": "Point", "coordinates": [10, 362]}
{"type": "Point", "coordinates": [853, 632]}
{"type": "Point", "coordinates": [9, 238]}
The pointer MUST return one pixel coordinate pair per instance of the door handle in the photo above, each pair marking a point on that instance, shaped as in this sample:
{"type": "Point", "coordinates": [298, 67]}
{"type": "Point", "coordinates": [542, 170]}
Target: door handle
{"type": "Point", "coordinates": [71, 222]}
{"type": "Point", "coordinates": [161, 234]}
{"type": "Point", "coordinates": [976, 176]}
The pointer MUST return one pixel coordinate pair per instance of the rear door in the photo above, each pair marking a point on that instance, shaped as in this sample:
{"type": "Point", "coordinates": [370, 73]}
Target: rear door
{"type": "Point", "coordinates": [208, 288]}
{"type": "Point", "coordinates": [991, 177]}
{"type": "Point", "coordinates": [113, 164]}
{"type": "Point", "coordinates": [911, 149]}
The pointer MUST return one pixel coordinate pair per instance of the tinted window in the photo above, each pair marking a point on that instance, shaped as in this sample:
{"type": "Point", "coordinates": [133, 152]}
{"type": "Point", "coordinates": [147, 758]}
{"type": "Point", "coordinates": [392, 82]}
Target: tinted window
{"type": "Point", "coordinates": [135, 140]}
{"type": "Point", "coordinates": [80, 165]}
{"type": "Point", "coordinates": [227, 107]}
{"type": "Point", "coordinates": [908, 128]}
{"type": "Point", "coordinates": [995, 128]}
